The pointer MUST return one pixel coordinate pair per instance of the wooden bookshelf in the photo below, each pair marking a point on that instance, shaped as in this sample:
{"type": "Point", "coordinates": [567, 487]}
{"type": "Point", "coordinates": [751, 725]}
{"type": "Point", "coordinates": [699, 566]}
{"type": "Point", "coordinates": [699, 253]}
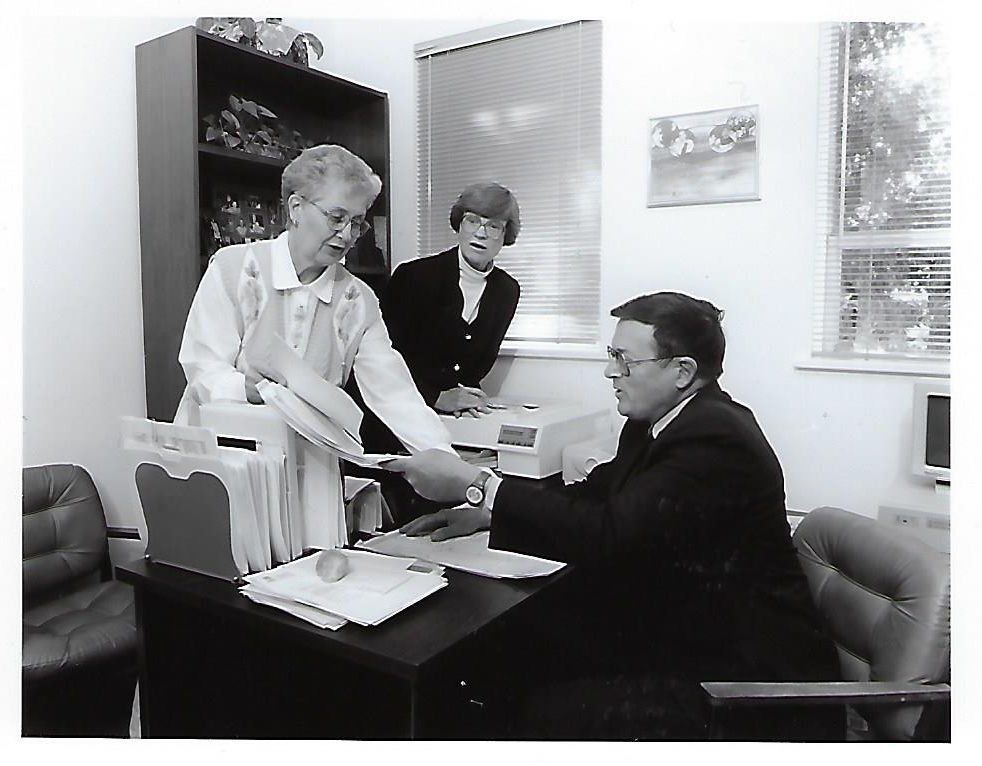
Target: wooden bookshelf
{"type": "Point", "coordinates": [182, 77]}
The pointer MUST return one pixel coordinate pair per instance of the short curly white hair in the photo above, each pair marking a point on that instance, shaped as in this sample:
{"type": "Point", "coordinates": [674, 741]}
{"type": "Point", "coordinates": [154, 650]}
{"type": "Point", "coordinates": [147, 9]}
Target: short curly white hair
{"type": "Point", "coordinates": [317, 164]}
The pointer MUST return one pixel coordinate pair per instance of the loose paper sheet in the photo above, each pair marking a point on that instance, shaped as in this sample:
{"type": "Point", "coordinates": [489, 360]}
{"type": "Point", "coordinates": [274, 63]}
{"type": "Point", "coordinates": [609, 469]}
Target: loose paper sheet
{"type": "Point", "coordinates": [469, 554]}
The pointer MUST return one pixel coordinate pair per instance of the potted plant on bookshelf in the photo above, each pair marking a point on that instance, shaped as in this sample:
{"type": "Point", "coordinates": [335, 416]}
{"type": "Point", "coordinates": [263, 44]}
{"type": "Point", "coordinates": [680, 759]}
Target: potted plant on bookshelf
{"type": "Point", "coordinates": [270, 35]}
{"type": "Point", "coordinates": [250, 127]}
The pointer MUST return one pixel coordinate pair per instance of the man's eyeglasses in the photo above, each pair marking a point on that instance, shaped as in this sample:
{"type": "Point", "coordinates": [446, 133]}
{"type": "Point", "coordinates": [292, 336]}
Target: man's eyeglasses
{"type": "Point", "coordinates": [473, 222]}
{"type": "Point", "coordinates": [338, 219]}
{"type": "Point", "coordinates": [623, 365]}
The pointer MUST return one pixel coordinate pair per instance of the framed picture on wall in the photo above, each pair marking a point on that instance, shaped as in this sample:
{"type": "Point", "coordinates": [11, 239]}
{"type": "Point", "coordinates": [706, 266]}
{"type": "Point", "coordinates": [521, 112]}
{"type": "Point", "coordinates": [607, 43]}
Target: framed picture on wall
{"type": "Point", "coordinates": [704, 157]}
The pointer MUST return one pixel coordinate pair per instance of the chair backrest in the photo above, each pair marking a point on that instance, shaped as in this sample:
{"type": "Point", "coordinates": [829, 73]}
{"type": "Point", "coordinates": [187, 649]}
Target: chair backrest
{"type": "Point", "coordinates": [885, 598]}
{"type": "Point", "coordinates": [64, 530]}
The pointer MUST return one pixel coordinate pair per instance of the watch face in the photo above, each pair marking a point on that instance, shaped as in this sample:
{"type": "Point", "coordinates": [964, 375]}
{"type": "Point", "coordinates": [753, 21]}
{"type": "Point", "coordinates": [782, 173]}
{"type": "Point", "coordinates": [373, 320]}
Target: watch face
{"type": "Point", "coordinates": [474, 495]}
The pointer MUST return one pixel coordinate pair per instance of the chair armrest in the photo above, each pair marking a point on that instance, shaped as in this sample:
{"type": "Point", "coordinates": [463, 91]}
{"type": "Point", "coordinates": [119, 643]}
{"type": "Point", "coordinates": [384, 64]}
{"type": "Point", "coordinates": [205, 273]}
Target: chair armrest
{"type": "Point", "coordinates": [754, 693]}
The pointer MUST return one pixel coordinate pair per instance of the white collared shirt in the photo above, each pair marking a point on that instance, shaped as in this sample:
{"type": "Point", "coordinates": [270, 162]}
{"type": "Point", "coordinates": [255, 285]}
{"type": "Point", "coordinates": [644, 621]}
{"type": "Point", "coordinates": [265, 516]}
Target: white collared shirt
{"type": "Point", "coordinates": [659, 425]}
{"type": "Point", "coordinates": [299, 298]}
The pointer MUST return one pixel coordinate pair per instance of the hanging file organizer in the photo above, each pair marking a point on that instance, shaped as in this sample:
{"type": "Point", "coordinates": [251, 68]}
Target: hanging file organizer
{"type": "Point", "coordinates": [218, 505]}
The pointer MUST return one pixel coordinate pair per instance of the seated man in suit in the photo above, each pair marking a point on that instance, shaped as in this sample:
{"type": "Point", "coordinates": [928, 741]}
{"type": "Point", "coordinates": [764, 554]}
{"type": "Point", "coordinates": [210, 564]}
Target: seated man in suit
{"type": "Point", "coordinates": [684, 567]}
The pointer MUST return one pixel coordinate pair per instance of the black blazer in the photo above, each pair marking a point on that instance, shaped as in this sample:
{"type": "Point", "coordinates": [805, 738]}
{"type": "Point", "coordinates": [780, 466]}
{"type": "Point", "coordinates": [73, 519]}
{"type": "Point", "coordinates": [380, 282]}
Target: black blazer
{"type": "Point", "coordinates": [421, 306]}
{"type": "Point", "coordinates": [684, 563]}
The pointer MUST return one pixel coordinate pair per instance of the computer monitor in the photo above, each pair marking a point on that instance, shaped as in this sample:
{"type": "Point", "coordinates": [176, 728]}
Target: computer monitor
{"type": "Point", "coordinates": [931, 446]}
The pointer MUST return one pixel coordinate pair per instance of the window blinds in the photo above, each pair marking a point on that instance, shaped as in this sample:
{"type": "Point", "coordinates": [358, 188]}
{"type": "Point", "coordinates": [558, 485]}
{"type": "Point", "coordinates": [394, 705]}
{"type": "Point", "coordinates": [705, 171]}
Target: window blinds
{"type": "Point", "coordinates": [522, 111]}
{"type": "Point", "coordinates": [883, 286]}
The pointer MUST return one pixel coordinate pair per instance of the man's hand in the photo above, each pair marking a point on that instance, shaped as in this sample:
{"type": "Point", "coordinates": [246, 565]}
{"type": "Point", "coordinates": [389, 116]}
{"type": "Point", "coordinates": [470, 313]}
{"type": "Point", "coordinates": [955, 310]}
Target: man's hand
{"type": "Point", "coordinates": [462, 400]}
{"type": "Point", "coordinates": [436, 475]}
{"type": "Point", "coordinates": [450, 522]}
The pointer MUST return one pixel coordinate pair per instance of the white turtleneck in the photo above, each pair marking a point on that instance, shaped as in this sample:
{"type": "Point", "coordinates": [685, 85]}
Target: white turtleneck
{"type": "Point", "coordinates": [472, 284]}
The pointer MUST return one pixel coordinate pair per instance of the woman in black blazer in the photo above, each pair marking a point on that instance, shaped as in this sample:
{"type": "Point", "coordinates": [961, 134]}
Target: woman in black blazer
{"type": "Point", "coordinates": [448, 313]}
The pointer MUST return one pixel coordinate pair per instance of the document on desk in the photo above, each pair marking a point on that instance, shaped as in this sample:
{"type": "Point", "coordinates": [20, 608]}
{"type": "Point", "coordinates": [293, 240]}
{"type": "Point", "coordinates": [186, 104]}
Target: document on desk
{"type": "Point", "coordinates": [310, 614]}
{"type": "Point", "coordinates": [469, 554]}
{"type": "Point", "coordinates": [375, 588]}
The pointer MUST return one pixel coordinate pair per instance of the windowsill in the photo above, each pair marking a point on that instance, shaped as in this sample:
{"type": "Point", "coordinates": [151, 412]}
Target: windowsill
{"type": "Point", "coordinates": [531, 350]}
{"type": "Point", "coordinates": [922, 368]}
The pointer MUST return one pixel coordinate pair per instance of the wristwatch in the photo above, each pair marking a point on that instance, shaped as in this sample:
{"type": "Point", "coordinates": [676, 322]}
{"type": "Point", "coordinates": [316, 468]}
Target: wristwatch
{"type": "Point", "coordinates": [474, 494]}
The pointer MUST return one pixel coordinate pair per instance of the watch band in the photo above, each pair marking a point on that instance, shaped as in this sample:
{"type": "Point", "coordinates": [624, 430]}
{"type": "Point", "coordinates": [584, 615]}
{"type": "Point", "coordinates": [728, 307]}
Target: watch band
{"type": "Point", "coordinates": [474, 494]}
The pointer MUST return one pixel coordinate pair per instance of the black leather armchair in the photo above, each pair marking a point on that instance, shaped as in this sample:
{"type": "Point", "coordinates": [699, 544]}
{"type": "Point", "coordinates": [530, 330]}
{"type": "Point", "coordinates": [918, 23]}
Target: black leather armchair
{"type": "Point", "coordinates": [78, 668]}
{"type": "Point", "coordinates": [885, 599]}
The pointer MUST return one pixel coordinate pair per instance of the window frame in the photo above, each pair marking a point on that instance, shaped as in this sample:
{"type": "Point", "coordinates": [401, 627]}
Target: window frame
{"type": "Point", "coordinates": [833, 239]}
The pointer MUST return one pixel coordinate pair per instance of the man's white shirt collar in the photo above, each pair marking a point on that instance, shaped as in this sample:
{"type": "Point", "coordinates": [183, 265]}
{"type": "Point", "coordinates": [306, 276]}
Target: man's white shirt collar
{"type": "Point", "coordinates": [669, 416]}
{"type": "Point", "coordinates": [285, 273]}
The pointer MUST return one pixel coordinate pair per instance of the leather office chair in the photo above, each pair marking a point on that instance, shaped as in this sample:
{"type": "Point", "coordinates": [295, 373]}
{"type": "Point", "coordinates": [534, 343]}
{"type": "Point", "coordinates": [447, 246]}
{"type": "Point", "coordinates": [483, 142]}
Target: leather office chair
{"type": "Point", "coordinates": [885, 599]}
{"type": "Point", "coordinates": [78, 668]}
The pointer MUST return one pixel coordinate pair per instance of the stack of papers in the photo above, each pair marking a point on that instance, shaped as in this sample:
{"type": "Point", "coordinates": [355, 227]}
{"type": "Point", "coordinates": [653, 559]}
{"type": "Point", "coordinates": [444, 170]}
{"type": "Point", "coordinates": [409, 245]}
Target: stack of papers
{"type": "Point", "coordinates": [469, 554]}
{"type": "Point", "coordinates": [375, 588]}
{"type": "Point", "coordinates": [316, 427]}
{"type": "Point", "coordinates": [316, 409]}
{"type": "Point", "coordinates": [265, 526]}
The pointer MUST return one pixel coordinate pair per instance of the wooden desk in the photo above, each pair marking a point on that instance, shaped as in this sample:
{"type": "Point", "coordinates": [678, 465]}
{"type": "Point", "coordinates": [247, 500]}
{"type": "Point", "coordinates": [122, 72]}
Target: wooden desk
{"type": "Point", "coordinates": [214, 664]}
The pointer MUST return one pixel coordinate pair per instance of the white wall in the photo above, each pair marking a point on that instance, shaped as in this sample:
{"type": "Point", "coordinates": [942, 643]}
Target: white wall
{"type": "Point", "coordinates": [83, 318]}
{"type": "Point", "coordinates": [842, 438]}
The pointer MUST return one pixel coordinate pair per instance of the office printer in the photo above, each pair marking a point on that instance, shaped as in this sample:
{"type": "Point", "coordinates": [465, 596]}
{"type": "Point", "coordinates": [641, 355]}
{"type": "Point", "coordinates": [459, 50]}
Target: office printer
{"type": "Point", "coordinates": [528, 438]}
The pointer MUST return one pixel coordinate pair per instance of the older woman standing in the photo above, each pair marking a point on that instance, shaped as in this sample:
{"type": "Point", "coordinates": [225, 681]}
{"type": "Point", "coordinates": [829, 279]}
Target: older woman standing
{"type": "Point", "coordinates": [327, 315]}
{"type": "Point", "coordinates": [448, 313]}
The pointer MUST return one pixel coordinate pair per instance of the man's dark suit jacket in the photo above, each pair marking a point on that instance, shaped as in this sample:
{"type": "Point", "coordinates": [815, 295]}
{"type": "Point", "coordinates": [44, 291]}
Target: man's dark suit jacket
{"type": "Point", "coordinates": [422, 306]}
{"type": "Point", "coordinates": [685, 572]}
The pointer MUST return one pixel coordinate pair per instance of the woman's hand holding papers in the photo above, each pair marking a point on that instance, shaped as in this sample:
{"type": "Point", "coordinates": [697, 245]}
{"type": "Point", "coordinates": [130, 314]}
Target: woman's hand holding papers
{"type": "Point", "coordinates": [436, 475]}
{"type": "Point", "coordinates": [450, 522]}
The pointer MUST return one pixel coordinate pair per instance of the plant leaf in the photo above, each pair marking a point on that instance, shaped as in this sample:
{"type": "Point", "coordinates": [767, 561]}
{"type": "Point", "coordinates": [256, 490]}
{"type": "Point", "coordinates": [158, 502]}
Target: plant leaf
{"type": "Point", "coordinates": [248, 26]}
{"type": "Point", "coordinates": [276, 38]}
{"type": "Point", "coordinates": [212, 133]}
{"type": "Point", "coordinates": [265, 112]}
{"type": "Point", "coordinates": [232, 140]}
{"type": "Point", "coordinates": [250, 107]}
{"type": "Point", "coordinates": [316, 45]}
{"type": "Point", "coordinates": [234, 102]}
{"type": "Point", "coordinates": [231, 118]}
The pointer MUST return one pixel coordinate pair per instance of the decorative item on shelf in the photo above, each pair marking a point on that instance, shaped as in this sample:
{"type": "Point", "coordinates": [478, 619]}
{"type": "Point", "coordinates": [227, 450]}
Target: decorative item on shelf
{"type": "Point", "coordinates": [252, 128]}
{"type": "Point", "coordinates": [704, 157]}
{"type": "Point", "coordinates": [236, 215]}
{"type": "Point", "coordinates": [270, 35]}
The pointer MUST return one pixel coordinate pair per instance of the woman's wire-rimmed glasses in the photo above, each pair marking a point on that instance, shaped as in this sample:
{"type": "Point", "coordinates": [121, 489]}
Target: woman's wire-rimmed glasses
{"type": "Point", "coordinates": [338, 219]}
{"type": "Point", "coordinates": [473, 222]}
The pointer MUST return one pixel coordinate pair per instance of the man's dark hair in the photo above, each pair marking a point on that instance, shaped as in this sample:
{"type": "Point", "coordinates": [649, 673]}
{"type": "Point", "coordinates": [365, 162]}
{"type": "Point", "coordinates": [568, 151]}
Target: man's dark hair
{"type": "Point", "coordinates": [682, 326]}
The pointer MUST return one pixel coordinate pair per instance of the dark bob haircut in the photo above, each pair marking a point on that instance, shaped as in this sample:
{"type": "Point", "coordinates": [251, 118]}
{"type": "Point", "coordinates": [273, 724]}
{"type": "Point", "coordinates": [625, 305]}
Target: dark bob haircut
{"type": "Point", "coordinates": [490, 201]}
{"type": "Point", "coordinates": [682, 326]}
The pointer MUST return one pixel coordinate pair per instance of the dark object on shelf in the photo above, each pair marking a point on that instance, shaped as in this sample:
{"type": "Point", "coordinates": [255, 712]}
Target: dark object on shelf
{"type": "Point", "coordinates": [78, 667]}
{"type": "Point", "coordinates": [270, 35]}
{"type": "Point", "coordinates": [179, 78]}
{"type": "Point", "coordinates": [885, 598]}
{"type": "Point", "coordinates": [236, 215]}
